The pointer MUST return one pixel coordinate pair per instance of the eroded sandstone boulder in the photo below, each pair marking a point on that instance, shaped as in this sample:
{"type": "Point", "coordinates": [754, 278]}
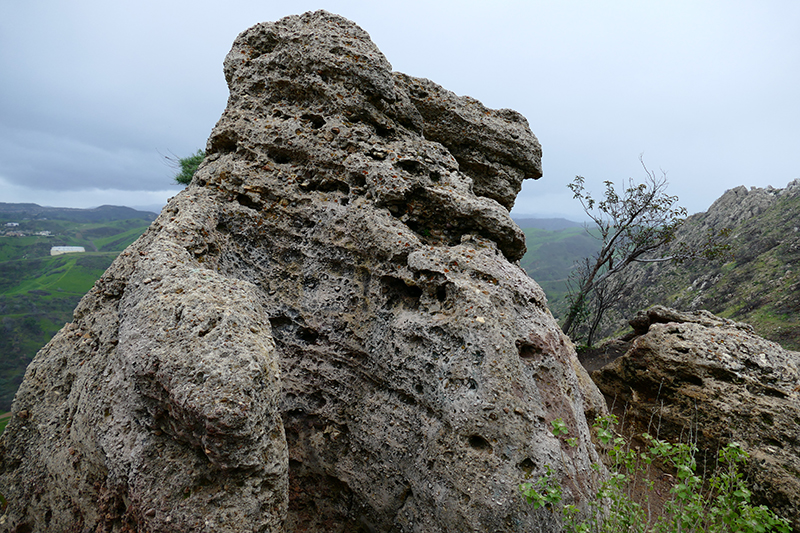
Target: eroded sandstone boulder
{"type": "Point", "coordinates": [328, 330]}
{"type": "Point", "coordinates": [157, 408]}
{"type": "Point", "coordinates": [696, 375]}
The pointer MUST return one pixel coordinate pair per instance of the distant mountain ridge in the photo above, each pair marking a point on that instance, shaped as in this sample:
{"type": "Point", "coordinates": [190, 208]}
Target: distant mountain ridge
{"type": "Point", "coordinates": [103, 213]}
{"type": "Point", "coordinates": [760, 285]}
{"type": "Point", "coordinates": [549, 224]}
{"type": "Point", "coordinates": [551, 255]}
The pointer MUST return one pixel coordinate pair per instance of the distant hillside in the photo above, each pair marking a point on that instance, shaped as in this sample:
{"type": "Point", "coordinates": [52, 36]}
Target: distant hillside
{"type": "Point", "coordinates": [38, 292]}
{"type": "Point", "coordinates": [552, 255]}
{"type": "Point", "coordinates": [760, 286]}
{"type": "Point", "coordinates": [549, 224]}
{"type": "Point", "coordinates": [104, 213]}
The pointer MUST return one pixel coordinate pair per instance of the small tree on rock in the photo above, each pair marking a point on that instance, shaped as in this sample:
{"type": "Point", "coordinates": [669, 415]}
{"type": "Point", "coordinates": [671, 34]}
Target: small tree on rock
{"type": "Point", "coordinates": [634, 226]}
{"type": "Point", "coordinates": [186, 166]}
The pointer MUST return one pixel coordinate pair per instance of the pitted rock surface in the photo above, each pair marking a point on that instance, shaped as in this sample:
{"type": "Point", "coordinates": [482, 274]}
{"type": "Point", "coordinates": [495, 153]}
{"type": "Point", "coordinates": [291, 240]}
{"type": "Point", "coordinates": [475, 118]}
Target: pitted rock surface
{"type": "Point", "coordinates": [157, 408]}
{"type": "Point", "coordinates": [695, 375]}
{"type": "Point", "coordinates": [328, 330]}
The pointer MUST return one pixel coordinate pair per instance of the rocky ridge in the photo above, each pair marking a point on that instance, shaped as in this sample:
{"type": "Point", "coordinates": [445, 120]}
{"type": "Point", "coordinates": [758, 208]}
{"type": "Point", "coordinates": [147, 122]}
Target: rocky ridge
{"type": "Point", "coordinates": [695, 376]}
{"type": "Point", "coordinates": [759, 285]}
{"type": "Point", "coordinates": [328, 330]}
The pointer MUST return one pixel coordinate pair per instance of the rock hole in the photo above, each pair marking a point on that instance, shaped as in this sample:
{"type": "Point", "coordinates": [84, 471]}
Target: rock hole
{"type": "Point", "coordinates": [422, 229]}
{"type": "Point", "coordinates": [407, 493]}
{"type": "Point", "coordinates": [692, 379]}
{"type": "Point", "coordinates": [406, 398]}
{"type": "Point", "coordinates": [246, 201]}
{"type": "Point", "coordinates": [410, 165]}
{"type": "Point", "coordinates": [224, 142]}
{"type": "Point", "coordinates": [280, 322]}
{"type": "Point", "coordinates": [528, 351]}
{"type": "Point", "coordinates": [316, 120]}
{"type": "Point", "coordinates": [263, 46]}
{"type": "Point", "coordinates": [330, 185]}
{"type": "Point", "coordinates": [441, 293]}
{"type": "Point", "coordinates": [308, 335]}
{"type": "Point", "coordinates": [775, 393]}
{"type": "Point", "coordinates": [479, 443]}
{"type": "Point", "coordinates": [258, 87]}
{"type": "Point", "coordinates": [358, 179]}
{"type": "Point", "coordinates": [722, 374]}
{"type": "Point", "coordinates": [24, 528]}
{"type": "Point", "coordinates": [526, 465]}
{"type": "Point", "coordinates": [435, 176]}
{"type": "Point", "coordinates": [383, 130]}
{"type": "Point", "coordinates": [280, 157]}
{"type": "Point", "coordinates": [418, 388]}
{"type": "Point", "coordinates": [399, 293]}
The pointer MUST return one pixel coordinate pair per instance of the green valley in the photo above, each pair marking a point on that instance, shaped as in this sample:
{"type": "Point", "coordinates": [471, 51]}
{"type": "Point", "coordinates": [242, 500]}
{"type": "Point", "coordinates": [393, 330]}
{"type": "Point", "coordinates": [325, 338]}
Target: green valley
{"type": "Point", "coordinates": [551, 256]}
{"type": "Point", "coordinates": [39, 291]}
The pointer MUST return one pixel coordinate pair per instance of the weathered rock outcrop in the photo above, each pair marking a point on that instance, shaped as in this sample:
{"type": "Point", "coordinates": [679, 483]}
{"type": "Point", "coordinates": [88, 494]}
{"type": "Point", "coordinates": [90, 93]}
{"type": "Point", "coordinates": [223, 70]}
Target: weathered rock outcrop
{"type": "Point", "coordinates": [697, 375]}
{"type": "Point", "coordinates": [326, 331]}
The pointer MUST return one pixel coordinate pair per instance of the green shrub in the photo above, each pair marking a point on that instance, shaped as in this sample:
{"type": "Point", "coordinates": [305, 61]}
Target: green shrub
{"type": "Point", "coordinates": [718, 504]}
{"type": "Point", "coordinates": [188, 166]}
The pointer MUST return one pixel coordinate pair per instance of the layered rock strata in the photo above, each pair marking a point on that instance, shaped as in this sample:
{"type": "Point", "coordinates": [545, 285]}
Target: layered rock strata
{"type": "Point", "coordinates": [697, 376]}
{"type": "Point", "coordinates": [328, 330]}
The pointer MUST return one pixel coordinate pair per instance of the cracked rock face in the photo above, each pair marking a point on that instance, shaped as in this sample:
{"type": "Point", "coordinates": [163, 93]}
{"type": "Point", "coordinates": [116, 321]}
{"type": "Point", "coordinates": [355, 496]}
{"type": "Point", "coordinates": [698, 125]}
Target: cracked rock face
{"type": "Point", "coordinates": [701, 375]}
{"type": "Point", "coordinates": [327, 330]}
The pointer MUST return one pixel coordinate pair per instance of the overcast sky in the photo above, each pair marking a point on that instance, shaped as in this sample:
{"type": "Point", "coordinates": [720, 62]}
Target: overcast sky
{"type": "Point", "coordinates": [94, 94]}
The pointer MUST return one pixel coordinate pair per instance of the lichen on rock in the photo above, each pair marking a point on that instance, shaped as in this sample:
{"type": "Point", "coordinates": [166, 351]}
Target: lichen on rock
{"type": "Point", "coordinates": [327, 330]}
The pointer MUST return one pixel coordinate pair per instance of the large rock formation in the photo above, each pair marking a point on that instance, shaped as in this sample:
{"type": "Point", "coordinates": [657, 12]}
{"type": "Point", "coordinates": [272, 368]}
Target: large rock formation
{"type": "Point", "coordinates": [695, 375]}
{"type": "Point", "coordinates": [328, 330]}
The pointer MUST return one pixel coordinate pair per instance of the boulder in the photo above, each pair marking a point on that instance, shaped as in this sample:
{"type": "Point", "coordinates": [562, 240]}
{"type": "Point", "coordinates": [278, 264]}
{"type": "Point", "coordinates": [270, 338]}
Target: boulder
{"type": "Point", "coordinates": [328, 330]}
{"type": "Point", "coordinates": [157, 408]}
{"type": "Point", "coordinates": [698, 376]}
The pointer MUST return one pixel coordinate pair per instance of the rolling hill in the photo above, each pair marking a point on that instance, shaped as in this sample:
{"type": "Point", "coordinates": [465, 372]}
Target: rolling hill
{"type": "Point", "coordinates": [38, 292]}
{"type": "Point", "coordinates": [554, 246]}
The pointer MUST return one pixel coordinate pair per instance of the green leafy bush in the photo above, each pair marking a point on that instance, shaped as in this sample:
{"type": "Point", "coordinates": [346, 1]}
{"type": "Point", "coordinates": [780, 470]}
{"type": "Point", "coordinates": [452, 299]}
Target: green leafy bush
{"type": "Point", "coordinates": [717, 504]}
{"type": "Point", "coordinates": [188, 166]}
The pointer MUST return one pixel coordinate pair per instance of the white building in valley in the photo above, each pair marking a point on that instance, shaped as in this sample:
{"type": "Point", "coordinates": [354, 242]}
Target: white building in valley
{"type": "Point", "coordinates": [58, 250]}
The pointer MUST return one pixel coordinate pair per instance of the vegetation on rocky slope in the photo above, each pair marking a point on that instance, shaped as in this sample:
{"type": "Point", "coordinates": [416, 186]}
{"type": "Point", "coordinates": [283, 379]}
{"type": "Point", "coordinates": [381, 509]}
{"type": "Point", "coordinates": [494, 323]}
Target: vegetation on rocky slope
{"type": "Point", "coordinates": [760, 286]}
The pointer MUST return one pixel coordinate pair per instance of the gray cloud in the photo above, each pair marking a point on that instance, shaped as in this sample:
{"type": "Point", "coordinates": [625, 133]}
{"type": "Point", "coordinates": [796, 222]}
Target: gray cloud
{"type": "Point", "coordinates": [93, 92]}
